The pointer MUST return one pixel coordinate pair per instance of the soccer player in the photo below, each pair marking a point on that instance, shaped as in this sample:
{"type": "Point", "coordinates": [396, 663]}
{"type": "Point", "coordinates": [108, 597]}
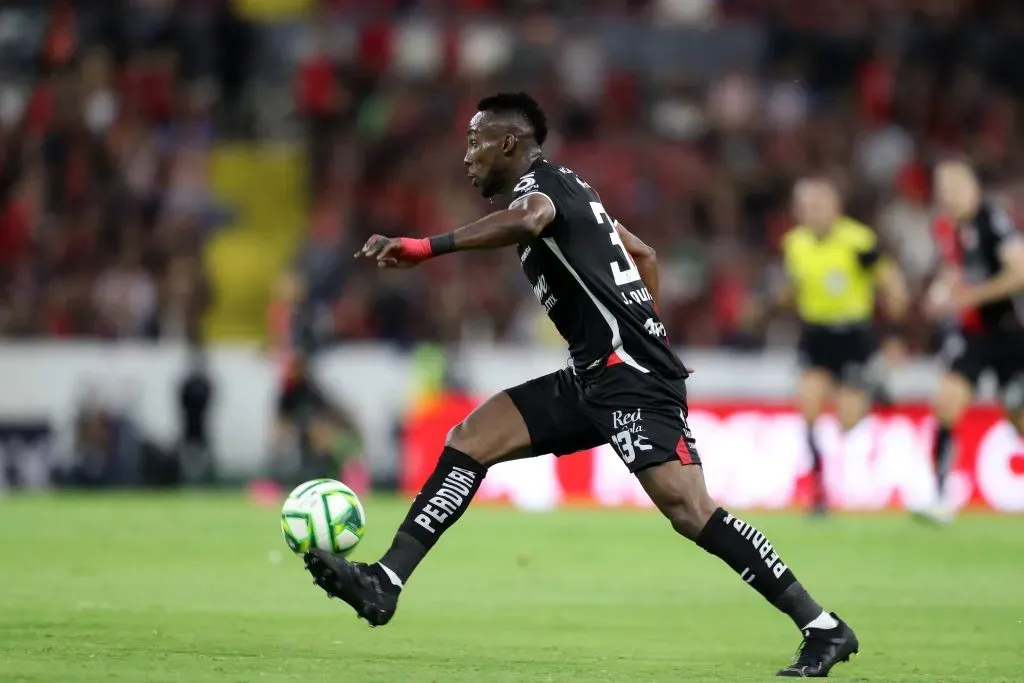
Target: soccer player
{"type": "Point", "coordinates": [598, 283]}
{"type": "Point", "coordinates": [834, 266]}
{"type": "Point", "coordinates": [979, 295]}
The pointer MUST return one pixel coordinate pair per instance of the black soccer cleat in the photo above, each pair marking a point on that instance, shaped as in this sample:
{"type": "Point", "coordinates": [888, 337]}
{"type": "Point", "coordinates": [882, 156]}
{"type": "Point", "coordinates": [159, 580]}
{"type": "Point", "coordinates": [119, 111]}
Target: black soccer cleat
{"type": "Point", "coordinates": [821, 650]}
{"type": "Point", "coordinates": [362, 586]}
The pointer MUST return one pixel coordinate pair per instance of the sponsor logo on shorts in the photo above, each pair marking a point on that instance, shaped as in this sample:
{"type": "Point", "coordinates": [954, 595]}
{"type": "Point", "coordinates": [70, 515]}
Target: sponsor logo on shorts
{"type": "Point", "coordinates": [622, 419]}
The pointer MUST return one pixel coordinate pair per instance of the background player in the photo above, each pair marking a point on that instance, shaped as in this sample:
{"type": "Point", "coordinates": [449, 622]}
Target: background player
{"type": "Point", "coordinates": [626, 386]}
{"type": "Point", "coordinates": [979, 297]}
{"type": "Point", "coordinates": [834, 265]}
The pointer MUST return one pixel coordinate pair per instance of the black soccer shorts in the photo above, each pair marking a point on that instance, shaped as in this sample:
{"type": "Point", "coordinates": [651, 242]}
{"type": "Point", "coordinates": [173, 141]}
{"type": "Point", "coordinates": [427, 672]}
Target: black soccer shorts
{"type": "Point", "coordinates": [843, 353]}
{"type": "Point", "coordinates": [642, 416]}
{"type": "Point", "coordinates": [969, 355]}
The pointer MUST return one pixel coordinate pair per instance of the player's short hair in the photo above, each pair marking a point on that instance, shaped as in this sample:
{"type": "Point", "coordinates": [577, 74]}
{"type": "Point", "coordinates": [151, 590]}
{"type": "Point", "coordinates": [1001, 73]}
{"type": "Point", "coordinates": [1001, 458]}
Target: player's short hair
{"type": "Point", "coordinates": [825, 178]}
{"type": "Point", "coordinates": [522, 104]}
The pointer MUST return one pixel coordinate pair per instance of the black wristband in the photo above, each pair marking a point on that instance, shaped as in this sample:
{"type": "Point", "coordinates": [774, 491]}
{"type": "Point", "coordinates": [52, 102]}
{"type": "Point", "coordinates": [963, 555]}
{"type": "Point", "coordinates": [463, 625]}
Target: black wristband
{"type": "Point", "coordinates": [442, 244]}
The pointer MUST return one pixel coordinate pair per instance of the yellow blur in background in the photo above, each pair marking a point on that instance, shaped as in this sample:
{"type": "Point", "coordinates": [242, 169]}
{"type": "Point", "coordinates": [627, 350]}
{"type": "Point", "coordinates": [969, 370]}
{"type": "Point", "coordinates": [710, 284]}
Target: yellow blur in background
{"type": "Point", "coordinates": [262, 185]}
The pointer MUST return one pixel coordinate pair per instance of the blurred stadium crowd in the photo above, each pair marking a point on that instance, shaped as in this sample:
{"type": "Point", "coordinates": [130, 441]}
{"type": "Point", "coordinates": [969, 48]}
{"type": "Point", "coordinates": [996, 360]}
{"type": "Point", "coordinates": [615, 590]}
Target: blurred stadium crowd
{"type": "Point", "coordinates": [692, 118]}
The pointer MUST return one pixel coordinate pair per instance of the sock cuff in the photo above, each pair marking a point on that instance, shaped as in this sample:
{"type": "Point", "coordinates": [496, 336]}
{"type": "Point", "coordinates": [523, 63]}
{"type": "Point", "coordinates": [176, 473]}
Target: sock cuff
{"type": "Point", "coordinates": [456, 458]}
{"type": "Point", "coordinates": [716, 518]}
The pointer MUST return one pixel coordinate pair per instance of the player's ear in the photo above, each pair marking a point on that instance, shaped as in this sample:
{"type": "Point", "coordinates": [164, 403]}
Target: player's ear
{"type": "Point", "coordinates": [508, 144]}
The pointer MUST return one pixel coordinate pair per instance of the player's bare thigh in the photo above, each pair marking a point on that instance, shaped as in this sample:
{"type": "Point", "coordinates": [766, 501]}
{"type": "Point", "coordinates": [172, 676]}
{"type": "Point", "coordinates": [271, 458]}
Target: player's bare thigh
{"type": "Point", "coordinates": [852, 405]}
{"type": "Point", "coordinates": [813, 390]}
{"type": "Point", "coordinates": [494, 432]}
{"type": "Point", "coordinates": [953, 398]}
{"type": "Point", "coordinates": [680, 494]}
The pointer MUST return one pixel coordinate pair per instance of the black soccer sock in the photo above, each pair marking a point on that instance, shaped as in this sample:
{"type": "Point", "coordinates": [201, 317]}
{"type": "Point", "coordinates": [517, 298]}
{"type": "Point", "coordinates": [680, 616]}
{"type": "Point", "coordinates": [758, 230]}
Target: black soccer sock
{"type": "Point", "coordinates": [812, 446]}
{"type": "Point", "coordinates": [440, 503]}
{"type": "Point", "coordinates": [751, 555]}
{"type": "Point", "coordinates": [942, 454]}
{"type": "Point", "coordinates": [817, 467]}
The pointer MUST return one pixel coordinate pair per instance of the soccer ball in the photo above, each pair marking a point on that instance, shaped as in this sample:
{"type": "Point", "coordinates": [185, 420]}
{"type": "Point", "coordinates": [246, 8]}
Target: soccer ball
{"type": "Point", "coordinates": [324, 514]}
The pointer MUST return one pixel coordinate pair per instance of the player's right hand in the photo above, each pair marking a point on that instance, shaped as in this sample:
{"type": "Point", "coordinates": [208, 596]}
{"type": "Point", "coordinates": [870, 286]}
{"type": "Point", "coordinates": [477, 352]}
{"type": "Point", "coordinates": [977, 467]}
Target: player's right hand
{"type": "Point", "coordinates": [940, 296]}
{"type": "Point", "coordinates": [395, 252]}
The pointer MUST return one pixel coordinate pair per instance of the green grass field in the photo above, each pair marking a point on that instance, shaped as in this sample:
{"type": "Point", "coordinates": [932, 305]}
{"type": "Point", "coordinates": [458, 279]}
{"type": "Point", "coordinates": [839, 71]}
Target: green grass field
{"type": "Point", "coordinates": [201, 588]}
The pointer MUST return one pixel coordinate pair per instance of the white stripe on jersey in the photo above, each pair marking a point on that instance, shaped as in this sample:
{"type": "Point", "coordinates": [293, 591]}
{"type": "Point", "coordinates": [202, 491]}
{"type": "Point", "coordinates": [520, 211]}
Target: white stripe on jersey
{"type": "Point", "coordinates": [613, 324]}
{"type": "Point", "coordinates": [515, 204]}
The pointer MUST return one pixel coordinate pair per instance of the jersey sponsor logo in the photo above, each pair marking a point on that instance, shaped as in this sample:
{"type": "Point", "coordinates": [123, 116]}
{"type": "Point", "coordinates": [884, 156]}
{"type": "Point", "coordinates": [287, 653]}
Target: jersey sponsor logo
{"type": "Point", "coordinates": [525, 255]}
{"type": "Point", "coordinates": [655, 328]}
{"type": "Point", "coordinates": [543, 294]}
{"type": "Point", "coordinates": [527, 182]}
{"type": "Point", "coordinates": [450, 497]}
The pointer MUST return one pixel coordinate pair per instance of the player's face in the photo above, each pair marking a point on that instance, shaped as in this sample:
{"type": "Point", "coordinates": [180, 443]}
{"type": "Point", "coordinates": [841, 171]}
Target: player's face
{"type": "Point", "coordinates": [484, 156]}
{"type": "Point", "coordinates": [815, 204]}
{"type": "Point", "coordinates": [955, 190]}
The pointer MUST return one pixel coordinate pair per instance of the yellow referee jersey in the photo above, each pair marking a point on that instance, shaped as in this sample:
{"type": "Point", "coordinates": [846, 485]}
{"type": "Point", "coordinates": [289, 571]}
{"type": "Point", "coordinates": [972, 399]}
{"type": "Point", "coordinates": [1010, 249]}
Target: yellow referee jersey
{"type": "Point", "coordinates": [833, 276]}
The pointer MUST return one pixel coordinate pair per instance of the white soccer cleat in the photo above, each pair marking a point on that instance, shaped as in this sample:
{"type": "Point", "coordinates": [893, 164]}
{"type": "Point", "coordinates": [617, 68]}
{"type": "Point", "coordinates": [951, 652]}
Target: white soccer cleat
{"type": "Point", "coordinates": [938, 513]}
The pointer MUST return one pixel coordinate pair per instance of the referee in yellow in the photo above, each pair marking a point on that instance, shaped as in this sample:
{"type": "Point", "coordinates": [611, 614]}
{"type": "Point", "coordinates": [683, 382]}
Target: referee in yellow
{"type": "Point", "coordinates": [834, 267]}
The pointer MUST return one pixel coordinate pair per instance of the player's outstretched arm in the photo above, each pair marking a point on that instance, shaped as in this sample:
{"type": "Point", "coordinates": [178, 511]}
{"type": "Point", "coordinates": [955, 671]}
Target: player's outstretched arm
{"type": "Point", "coordinates": [1009, 281]}
{"type": "Point", "coordinates": [645, 258]}
{"type": "Point", "coordinates": [523, 220]}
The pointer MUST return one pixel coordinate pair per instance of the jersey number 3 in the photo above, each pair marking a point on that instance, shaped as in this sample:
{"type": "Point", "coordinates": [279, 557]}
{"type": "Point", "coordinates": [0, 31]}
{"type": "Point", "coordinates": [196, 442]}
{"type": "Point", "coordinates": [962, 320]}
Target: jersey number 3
{"type": "Point", "coordinates": [623, 276]}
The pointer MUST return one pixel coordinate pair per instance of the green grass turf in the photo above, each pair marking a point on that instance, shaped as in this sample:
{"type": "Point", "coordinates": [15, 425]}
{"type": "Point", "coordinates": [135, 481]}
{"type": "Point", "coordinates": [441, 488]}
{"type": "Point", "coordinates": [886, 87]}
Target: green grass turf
{"type": "Point", "coordinates": [200, 588]}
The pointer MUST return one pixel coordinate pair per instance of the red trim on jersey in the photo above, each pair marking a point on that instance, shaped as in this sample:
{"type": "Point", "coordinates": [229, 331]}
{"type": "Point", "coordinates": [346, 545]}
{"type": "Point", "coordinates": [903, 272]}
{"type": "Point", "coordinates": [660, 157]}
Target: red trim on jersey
{"type": "Point", "coordinates": [613, 359]}
{"type": "Point", "coordinates": [683, 451]}
{"type": "Point", "coordinates": [948, 238]}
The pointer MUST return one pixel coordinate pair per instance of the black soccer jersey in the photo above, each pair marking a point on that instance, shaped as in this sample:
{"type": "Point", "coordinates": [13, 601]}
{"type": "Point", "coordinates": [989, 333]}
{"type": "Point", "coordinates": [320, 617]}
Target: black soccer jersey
{"type": "Point", "coordinates": [587, 283]}
{"type": "Point", "coordinates": [975, 246]}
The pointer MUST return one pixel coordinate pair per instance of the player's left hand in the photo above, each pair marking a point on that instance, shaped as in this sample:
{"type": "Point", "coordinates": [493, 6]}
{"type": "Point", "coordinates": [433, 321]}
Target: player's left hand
{"type": "Point", "coordinates": [395, 252]}
{"type": "Point", "coordinates": [956, 302]}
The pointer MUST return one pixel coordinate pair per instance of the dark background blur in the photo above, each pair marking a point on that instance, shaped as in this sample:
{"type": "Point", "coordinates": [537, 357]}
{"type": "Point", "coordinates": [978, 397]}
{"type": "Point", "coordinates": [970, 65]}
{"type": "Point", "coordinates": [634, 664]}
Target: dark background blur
{"type": "Point", "coordinates": [691, 117]}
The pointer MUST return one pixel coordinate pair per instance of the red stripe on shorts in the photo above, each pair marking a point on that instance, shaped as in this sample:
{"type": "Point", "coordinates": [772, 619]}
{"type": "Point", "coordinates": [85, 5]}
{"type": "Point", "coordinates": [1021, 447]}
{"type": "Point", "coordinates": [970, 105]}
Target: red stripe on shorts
{"type": "Point", "coordinates": [683, 451]}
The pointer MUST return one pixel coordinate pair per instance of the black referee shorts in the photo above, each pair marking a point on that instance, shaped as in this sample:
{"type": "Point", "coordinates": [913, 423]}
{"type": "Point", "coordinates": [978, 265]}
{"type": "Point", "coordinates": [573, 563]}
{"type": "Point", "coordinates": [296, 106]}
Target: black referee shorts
{"type": "Point", "coordinates": [642, 416]}
{"type": "Point", "coordinates": [843, 352]}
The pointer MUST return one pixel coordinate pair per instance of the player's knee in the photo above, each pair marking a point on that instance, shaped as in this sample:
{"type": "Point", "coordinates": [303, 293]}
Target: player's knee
{"type": "Point", "coordinates": [688, 516]}
{"type": "Point", "coordinates": [851, 409]}
{"type": "Point", "coordinates": [465, 438]}
{"type": "Point", "coordinates": [810, 405]}
{"type": "Point", "coordinates": [487, 447]}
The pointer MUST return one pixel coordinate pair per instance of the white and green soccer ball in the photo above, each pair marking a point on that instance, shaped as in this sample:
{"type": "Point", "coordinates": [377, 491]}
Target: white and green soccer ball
{"type": "Point", "coordinates": [325, 514]}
